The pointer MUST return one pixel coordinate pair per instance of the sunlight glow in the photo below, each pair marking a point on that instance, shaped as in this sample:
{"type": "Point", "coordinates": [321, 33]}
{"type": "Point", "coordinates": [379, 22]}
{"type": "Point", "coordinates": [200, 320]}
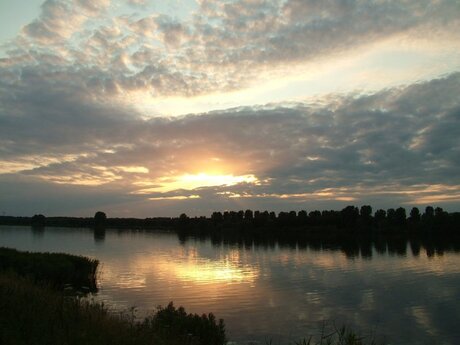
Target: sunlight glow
{"type": "Point", "coordinates": [133, 169]}
{"type": "Point", "coordinates": [227, 269]}
{"type": "Point", "coordinates": [176, 197]}
{"type": "Point", "coordinates": [213, 272]}
{"type": "Point", "coordinates": [193, 181]}
{"type": "Point", "coordinates": [188, 265]}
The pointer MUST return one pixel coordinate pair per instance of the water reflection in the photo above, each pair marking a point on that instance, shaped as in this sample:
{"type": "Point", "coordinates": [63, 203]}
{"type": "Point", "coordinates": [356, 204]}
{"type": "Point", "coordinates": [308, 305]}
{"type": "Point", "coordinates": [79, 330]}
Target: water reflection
{"type": "Point", "coordinates": [99, 235]}
{"type": "Point", "coordinates": [279, 290]}
{"type": "Point", "coordinates": [364, 247]}
{"type": "Point", "coordinates": [228, 268]}
{"type": "Point", "coordinates": [38, 231]}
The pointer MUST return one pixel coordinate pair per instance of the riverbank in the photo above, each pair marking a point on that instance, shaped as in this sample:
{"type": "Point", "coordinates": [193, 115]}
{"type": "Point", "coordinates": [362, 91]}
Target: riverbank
{"type": "Point", "coordinates": [59, 271]}
{"type": "Point", "coordinates": [38, 306]}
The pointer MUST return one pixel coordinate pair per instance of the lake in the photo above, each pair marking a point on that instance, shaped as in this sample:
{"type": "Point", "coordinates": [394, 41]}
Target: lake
{"type": "Point", "coordinates": [270, 292]}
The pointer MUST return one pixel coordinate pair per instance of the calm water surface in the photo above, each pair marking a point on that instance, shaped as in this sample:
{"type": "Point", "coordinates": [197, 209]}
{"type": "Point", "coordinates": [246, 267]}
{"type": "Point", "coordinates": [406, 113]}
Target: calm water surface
{"type": "Point", "coordinates": [275, 292]}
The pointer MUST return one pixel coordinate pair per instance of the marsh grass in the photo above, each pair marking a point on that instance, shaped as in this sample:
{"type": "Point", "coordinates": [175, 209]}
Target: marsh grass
{"type": "Point", "coordinates": [55, 269]}
{"type": "Point", "coordinates": [34, 313]}
{"type": "Point", "coordinates": [40, 304]}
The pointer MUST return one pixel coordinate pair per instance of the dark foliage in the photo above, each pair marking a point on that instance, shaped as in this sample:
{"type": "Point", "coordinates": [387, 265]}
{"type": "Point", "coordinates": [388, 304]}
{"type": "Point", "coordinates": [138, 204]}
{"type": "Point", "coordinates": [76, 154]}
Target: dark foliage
{"type": "Point", "coordinates": [58, 270]}
{"type": "Point", "coordinates": [182, 328]}
{"type": "Point", "coordinates": [351, 221]}
{"type": "Point", "coordinates": [32, 314]}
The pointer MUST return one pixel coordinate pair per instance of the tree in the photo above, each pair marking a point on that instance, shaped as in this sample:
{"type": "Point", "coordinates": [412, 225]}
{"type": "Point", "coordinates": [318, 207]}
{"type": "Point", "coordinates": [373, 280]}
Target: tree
{"type": "Point", "coordinates": [414, 215]}
{"type": "Point", "coordinates": [314, 217]}
{"type": "Point", "coordinates": [366, 214]}
{"type": "Point", "coordinates": [183, 219]}
{"type": "Point", "coordinates": [217, 217]}
{"type": "Point", "coordinates": [400, 216]}
{"type": "Point", "coordinates": [365, 211]}
{"type": "Point", "coordinates": [380, 215]}
{"type": "Point", "coordinates": [428, 216]}
{"type": "Point", "coordinates": [248, 215]}
{"type": "Point", "coordinates": [429, 212]}
{"type": "Point", "coordinates": [99, 218]}
{"type": "Point", "coordinates": [38, 220]}
{"type": "Point", "coordinates": [440, 216]}
{"type": "Point", "coordinates": [349, 216]}
{"type": "Point", "coordinates": [391, 216]}
{"type": "Point", "coordinates": [303, 217]}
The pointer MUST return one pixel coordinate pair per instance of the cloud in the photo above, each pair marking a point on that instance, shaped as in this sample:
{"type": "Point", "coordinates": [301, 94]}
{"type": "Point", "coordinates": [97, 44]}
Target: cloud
{"type": "Point", "coordinates": [61, 19]}
{"type": "Point", "coordinates": [348, 150]}
{"type": "Point", "coordinates": [222, 46]}
{"type": "Point", "coordinates": [137, 3]}
{"type": "Point", "coordinates": [71, 84]}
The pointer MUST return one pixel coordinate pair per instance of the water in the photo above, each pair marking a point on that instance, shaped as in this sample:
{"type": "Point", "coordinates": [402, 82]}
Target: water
{"type": "Point", "coordinates": [404, 295]}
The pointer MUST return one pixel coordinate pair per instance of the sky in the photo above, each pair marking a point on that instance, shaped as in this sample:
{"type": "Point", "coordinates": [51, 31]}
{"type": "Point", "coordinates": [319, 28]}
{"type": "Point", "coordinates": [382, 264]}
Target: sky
{"type": "Point", "coordinates": [147, 108]}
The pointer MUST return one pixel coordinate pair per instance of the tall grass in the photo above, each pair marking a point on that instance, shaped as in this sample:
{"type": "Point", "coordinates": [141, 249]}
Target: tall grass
{"type": "Point", "coordinates": [31, 313]}
{"type": "Point", "coordinates": [57, 270]}
{"type": "Point", "coordinates": [35, 310]}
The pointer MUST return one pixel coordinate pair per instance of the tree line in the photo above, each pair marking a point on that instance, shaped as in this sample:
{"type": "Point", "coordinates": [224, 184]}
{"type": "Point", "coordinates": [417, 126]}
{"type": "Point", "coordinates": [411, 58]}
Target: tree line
{"type": "Point", "coordinates": [348, 217]}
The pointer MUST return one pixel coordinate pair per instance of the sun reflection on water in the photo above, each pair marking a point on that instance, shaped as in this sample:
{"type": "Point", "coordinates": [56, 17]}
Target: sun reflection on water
{"type": "Point", "coordinates": [192, 267]}
{"type": "Point", "coordinates": [187, 266]}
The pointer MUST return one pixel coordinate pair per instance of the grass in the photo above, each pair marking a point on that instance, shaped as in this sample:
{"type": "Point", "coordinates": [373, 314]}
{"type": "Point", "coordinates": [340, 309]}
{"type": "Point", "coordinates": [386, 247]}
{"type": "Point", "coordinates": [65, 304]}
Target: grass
{"type": "Point", "coordinates": [36, 314]}
{"type": "Point", "coordinates": [57, 270]}
{"type": "Point", "coordinates": [35, 308]}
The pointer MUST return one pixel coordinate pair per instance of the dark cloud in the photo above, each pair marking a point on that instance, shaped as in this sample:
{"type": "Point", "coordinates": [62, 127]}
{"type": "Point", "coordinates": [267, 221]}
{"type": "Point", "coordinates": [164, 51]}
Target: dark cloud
{"type": "Point", "coordinates": [356, 149]}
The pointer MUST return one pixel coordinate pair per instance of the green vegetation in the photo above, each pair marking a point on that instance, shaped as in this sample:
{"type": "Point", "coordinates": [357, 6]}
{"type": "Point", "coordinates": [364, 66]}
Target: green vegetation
{"type": "Point", "coordinates": [55, 269]}
{"type": "Point", "coordinates": [35, 309]}
{"type": "Point", "coordinates": [35, 314]}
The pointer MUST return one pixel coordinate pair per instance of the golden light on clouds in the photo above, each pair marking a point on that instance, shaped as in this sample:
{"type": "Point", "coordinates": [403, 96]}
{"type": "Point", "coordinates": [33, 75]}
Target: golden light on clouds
{"type": "Point", "coordinates": [133, 169]}
{"type": "Point", "coordinates": [29, 162]}
{"type": "Point", "coordinates": [177, 197]}
{"type": "Point", "coordinates": [193, 181]}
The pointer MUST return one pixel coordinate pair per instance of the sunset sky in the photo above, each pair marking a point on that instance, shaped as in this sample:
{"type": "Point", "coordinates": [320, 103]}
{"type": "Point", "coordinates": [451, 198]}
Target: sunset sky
{"type": "Point", "coordinates": [153, 108]}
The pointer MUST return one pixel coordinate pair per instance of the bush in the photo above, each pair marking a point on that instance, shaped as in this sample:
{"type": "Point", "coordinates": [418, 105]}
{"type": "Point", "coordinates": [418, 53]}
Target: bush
{"type": "Point", "coordinates": [182, 328]}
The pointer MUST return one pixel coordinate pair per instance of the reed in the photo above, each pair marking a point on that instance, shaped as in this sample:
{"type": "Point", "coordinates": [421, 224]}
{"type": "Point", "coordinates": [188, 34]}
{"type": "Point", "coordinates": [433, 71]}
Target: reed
{"type": "Point", "coordinates": [33, 313]}
{"type": "Point", "coordinates": [56, 269]}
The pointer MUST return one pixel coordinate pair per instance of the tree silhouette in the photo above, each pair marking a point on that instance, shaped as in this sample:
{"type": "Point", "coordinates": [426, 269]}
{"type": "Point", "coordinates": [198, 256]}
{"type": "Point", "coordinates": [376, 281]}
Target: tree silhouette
{"type": "Point", "coordinates": [391, 216]}
{"type": "Point", "coordinates": [38, 220]}
{"type": "Point", "coordinates": [380, 217]}
{"type": "Point", "coordinates": [365, 211]}
{"type": "Point", "coordinates": [248, 215]}
{"type": "Point", "coordinates": [349, 216]}
{"type": "Point", "coordinates": [100, 218]}
{"type": "Point", "coordinates": [400, 216]}
{"type": "Point", "coordinates": [414, 215]}
{"type": "Point", "coordinates": [217, 217]}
